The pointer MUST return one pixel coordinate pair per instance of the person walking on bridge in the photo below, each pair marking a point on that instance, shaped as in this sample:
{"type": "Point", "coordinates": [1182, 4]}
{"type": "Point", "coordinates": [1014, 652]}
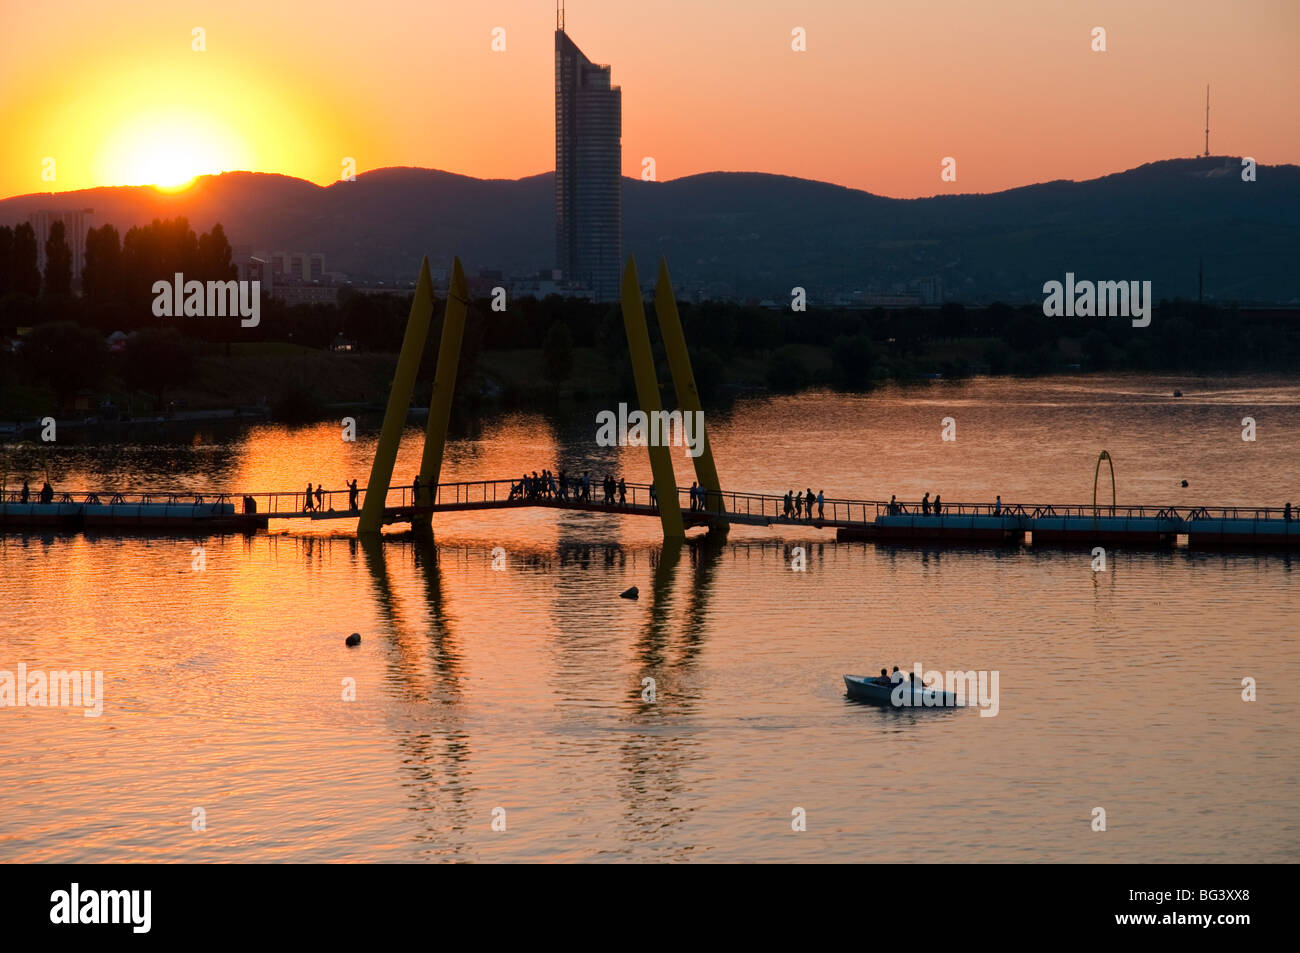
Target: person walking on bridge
{"type": "Point", "coordinates": [622, 492]}
{"type": "Point", "coordinates": [1286, 512]}
{"type": "Point", "coordinates": [821, 504]}
{"type": "Point", "coordinates": [654, 500]}
{"type": "Point", "coordinates": [26, 493]}
{"type": "Point", "coordinates": [306, 500]}
{"type": "Point", "coordinates": [320, 497]}
{"type": "Point", "coordinates": [352, 496]}
{"type": "Point", "coordinates": [808, 501]}
{"type": "Point", "coordinates": [415, 491]}
{"type": "Point", "coordinates": [938, 507]}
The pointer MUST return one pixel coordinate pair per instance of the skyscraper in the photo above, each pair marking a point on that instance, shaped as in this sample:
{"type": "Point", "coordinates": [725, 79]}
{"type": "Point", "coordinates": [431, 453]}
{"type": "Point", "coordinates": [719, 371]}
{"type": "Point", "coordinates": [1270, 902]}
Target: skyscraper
{"type": "Point", "coordinates": [588, 170]}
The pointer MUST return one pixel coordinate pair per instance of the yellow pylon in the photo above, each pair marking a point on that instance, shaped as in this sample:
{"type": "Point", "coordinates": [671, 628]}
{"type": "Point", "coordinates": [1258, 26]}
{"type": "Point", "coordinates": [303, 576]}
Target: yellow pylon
{"type": "Point", "coordinates": [444, 388]}
{"type": "Point", "coordinates": [647, 392]}
{"type": "Point", "coordinates": [688, 397]}
{"type": "Point", "coordinates": [399, 400]}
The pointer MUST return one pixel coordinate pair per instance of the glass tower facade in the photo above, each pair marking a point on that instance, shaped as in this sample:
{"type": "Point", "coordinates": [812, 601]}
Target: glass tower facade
{"type": "Point", "coordinates": [588, 171]}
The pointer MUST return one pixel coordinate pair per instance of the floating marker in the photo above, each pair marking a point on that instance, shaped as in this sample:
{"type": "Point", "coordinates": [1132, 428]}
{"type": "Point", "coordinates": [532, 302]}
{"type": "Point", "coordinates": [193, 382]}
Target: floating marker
{"type": "Point", "coordinates": [354, 639]}
{"type": "Point", "coordinates": [629, 593]}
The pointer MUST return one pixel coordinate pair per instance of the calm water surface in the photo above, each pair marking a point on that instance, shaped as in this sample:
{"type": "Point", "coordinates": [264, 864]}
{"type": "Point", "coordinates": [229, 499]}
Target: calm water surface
{"type": "Point", "coordinates": [521, 689]}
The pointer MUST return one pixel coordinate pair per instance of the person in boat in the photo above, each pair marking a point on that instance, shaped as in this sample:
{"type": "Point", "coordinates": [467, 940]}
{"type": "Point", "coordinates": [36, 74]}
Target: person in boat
{"type": "Point", "coordinates": [47, 493]}
{"type": "Point", "coordinates": [895, 676]}
{"type": "Point", "coordinates": [883, 679]}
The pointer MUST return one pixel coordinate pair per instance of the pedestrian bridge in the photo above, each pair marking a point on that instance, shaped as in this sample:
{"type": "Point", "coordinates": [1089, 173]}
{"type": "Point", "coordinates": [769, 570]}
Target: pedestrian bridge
{"type": "Point", "coordinates": [852, 519]}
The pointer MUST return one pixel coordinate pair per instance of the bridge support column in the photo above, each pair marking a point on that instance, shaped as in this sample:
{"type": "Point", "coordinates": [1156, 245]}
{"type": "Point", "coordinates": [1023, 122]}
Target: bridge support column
{"type": "Point", "coordinates": [444, 388]}
{"type": "Point", "coordinates": [688, 396]}
{"type": "Point", "coordinates": [399, 400]}
{"type": "Point", "coordinates": [647, 392]}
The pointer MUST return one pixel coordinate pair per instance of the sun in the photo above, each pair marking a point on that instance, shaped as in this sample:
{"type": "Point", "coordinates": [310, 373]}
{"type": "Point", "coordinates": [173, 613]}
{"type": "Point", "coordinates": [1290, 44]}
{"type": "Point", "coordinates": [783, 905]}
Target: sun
{"type": "Point", "coordinates": [169, 150]}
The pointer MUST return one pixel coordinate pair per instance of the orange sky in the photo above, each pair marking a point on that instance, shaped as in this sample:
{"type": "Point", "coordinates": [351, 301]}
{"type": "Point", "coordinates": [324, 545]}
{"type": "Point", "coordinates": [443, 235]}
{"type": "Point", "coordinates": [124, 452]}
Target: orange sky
{"type": "Point", "coordinates": [114, 93]}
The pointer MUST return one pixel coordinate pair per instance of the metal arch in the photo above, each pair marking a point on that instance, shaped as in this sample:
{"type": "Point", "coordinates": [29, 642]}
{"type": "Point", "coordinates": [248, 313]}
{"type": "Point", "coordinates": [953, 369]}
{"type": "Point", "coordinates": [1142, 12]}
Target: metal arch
{"type": "Point", "coordinates": [1096, 476]}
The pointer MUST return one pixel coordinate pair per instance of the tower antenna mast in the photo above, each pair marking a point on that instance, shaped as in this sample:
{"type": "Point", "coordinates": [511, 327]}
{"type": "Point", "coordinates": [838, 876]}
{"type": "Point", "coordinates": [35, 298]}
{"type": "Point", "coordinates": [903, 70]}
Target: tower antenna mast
{"type": "Point", "coordinates": [559, 17]}
{"type": "Point", "coordinates": [1207, 120]}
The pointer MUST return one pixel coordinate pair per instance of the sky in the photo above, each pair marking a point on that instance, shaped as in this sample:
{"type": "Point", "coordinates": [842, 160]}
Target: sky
{"type": "Point", "coordinates": [95, 93]}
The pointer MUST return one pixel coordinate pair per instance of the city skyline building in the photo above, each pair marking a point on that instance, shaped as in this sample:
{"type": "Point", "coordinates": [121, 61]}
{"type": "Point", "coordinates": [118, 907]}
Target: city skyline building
{"type": "Point", "coordinates": [588, 170]}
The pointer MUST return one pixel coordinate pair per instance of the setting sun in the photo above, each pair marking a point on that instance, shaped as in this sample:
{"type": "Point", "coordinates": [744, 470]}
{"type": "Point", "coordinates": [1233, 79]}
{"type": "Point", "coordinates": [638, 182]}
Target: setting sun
{"type": "Point", "coordinates": [169, 150]}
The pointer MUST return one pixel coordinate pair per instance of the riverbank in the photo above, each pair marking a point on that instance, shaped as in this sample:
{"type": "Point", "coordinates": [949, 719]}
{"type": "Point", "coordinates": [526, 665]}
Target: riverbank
{"type": "Point", "coordinates": [295, 384]}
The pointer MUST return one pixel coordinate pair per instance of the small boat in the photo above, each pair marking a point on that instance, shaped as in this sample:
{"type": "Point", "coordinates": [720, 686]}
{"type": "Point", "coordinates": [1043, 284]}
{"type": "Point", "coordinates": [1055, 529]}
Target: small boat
{"type": "Point", "coordinates": [865, 688]}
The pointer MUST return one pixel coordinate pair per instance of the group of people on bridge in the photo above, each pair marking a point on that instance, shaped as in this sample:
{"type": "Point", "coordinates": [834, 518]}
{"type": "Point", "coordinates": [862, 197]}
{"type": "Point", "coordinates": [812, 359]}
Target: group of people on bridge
{"type": "Point", "coordinates": [47, 493]}
{"type": "Point", "coordinates": [314, 500]}
{"type": "Point", "coordinates": [563, 488]}
{"type": "Point", "coordinates": [934, 507]}
{"type": "Point", "coordinates": [796, 505]}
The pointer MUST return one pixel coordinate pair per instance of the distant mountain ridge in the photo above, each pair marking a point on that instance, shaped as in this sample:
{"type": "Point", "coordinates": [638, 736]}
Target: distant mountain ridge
{"type": "Point", "coordinates": [756, 235]}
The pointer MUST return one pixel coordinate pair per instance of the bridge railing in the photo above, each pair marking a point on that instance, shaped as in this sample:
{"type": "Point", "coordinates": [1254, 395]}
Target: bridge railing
{"type": "Point", "coordinates": [640, 496]}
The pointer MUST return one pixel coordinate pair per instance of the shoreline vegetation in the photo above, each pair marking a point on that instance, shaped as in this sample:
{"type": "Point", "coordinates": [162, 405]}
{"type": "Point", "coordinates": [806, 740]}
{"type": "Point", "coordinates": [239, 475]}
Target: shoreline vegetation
{"type": "Point", "coordinates": [297, 384]}
{"type": "Point", "coordinates": [105, 355]}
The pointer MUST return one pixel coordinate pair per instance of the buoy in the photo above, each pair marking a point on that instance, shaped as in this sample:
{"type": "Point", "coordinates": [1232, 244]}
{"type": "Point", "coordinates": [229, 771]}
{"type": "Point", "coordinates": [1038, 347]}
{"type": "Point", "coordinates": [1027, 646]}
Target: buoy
{"type": "Point", "coordinates": [354, 638]}
{"type": "Point", "coordinates": [629, 594]}
{"type": "Point", "coordinates": [1184, 483]}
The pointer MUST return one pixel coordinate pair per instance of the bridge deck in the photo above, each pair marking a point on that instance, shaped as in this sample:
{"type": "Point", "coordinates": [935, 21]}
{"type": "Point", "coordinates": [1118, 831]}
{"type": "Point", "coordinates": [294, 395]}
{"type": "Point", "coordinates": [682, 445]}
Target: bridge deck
{"type": "Point", "coordinates": [852, 519]}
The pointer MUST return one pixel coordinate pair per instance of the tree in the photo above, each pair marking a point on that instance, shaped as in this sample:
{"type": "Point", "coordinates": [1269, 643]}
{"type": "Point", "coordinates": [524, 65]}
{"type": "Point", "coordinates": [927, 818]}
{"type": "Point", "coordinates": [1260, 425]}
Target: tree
{"type": "Point", "coordinates": [852, 358]}
{"type": "Point", "coordinates": [786, 370]}
{"type": "Point", "coordinates": [25, 276]}
{"type": "Point", "coordinates": [58, 260]}
{"type": "Point", "coordinates": [65, 357]}
{"type": "Point", "coordinates": [6, 260]}
{"type": "Point", "coordinates": [100, 277]}
{"type": "Point", "coordinates": [214, 256]}
{"type": "Point", "coordinates": [156, 360]}
{"type": "Point", "coordinates": [557, 353]}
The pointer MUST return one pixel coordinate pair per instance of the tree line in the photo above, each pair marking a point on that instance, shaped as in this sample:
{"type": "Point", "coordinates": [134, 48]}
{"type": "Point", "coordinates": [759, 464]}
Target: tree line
{"type": "Point", "coordinates": [117, 276]}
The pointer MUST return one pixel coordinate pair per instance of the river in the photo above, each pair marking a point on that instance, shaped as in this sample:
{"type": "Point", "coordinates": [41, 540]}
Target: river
{"type": "Point", "coordinates": [501, 714]}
